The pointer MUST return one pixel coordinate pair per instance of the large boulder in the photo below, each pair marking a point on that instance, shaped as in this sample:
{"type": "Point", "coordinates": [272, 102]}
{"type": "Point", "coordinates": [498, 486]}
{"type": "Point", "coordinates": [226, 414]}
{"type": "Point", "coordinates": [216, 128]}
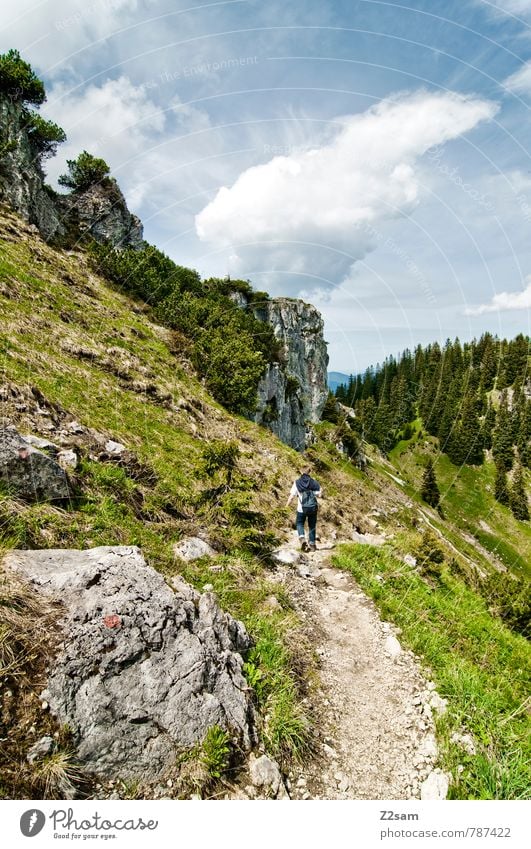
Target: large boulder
{"type": "Point", "coordinates": [29, 473]}
{"type": "Point", "coordinates": [144, 669]}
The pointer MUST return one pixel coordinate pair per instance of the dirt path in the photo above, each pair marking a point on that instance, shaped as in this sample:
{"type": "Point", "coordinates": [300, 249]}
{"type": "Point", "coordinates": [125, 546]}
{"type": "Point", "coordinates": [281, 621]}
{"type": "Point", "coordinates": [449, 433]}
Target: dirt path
{"type": "Point", "coordinates": [374, 708]}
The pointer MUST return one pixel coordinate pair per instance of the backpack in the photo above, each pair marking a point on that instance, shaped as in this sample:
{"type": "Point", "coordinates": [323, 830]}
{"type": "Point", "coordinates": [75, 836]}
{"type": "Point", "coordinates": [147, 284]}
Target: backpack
{"type": "Point", "coordinates": [308, 500]}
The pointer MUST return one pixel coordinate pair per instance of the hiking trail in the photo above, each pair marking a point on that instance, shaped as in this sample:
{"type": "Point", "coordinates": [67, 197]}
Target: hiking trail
{"type": "Point", "coordinates": [373, 707]}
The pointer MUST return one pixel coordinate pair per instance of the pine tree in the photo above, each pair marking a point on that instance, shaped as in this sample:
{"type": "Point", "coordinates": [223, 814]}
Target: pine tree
{"type": "Point", "coordinates": [524, 436]}
{"type": "Point", "coordinates": [502, 438]}
{"type": "Point", "coordinates": [429, 490]}
{"type": "Point", "coordinates": [501, 490]}
{"type": "Point", "coordinates": [488, 426]}
{"type": "Point", "coordinates": [469, 432]}
{"type": "Point", "coordinates": [518, 496]}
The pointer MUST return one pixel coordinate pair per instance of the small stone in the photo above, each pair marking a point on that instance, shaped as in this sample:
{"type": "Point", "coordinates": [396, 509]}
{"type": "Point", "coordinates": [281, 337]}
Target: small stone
{"type": "Point", "coordinates": [67, 459]}
{"type": "Point", "coordinates": [192, 548]}
{"type": "Point", "coordinates": [40, 749]}
{"type": "Point", "coordinates": [435, 786]}
{"type": "Point", "coordinates": [438, 704]}
{"type": "Point", "coordinates": [287, 556]}
{"type": "Point", "coordinates": [392, 646]}
{"type": "Point", "coordinates": [44, 705]}
{"type": "Point", "coordinates": [114, 448]}
{"type": "Point", "coordinates": [301, 782]}
{"type": "Point", "coordinates": [409, 560]}
{"type": "Point", "coordinates": [208, 588]}
{"type": "Point", "coordinates": [75, 427]}
{"type": "Point", "coordinates": [466, 741]}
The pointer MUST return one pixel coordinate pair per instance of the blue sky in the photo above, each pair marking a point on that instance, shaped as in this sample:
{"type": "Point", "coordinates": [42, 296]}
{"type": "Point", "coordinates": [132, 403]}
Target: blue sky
{"type": "Point", "coordinates": [371, 157]}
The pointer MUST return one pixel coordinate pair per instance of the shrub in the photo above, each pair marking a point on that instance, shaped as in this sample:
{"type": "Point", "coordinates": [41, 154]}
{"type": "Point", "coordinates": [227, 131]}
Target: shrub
{"type": "Point", "coordinates": [84, 172]}
{"type": "Point", "coordinates": [44, 136]}
{"type": "Point", "coordinates": [18, 81]}
{"type": "Point", "coordinates": [215, 752]}
{"type": "Point", "coordinates": [429, 555]}
{"type": "Point", "coordinates": [220, 458]}
{"type": "Point", "coordinates": [508, 598]}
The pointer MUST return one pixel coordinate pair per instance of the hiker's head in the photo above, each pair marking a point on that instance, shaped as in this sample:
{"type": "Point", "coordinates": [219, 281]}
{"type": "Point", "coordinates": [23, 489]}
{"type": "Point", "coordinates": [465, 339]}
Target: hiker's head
{"type": "Point", "coordinates": [305, 470]}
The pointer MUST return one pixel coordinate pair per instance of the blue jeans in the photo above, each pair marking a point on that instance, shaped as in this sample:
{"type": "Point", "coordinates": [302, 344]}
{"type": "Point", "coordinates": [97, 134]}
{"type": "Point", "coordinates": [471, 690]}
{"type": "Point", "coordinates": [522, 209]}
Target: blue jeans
{"type": "Point", "coordinates": [312, 523]}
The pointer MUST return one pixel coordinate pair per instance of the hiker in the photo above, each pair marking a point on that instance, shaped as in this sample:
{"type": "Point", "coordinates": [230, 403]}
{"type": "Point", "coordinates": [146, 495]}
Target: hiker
{"type": "Point", "coordinates": [307, 491]}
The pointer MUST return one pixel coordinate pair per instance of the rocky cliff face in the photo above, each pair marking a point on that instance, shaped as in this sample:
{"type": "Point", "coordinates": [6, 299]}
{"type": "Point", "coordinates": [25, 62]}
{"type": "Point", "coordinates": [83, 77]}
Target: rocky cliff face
{"type": "Point", "coordinates": [100, 212]}
{"type": "Point", "coordinates": [293, 392]}
{"type": "Point", "coordinates": [21, 177]}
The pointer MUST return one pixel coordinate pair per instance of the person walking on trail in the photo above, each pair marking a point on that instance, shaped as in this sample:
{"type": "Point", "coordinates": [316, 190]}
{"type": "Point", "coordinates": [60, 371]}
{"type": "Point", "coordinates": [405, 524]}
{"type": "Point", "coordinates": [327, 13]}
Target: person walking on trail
{"type": "Point", "coordinates": [307, 491]}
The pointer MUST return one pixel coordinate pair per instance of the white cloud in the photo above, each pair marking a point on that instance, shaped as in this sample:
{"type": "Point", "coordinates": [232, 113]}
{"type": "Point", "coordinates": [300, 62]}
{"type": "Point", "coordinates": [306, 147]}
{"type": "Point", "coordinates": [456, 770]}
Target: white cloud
{"type": "Point", "coordinates": [326, 205]}
{"type": "Point", "coordinates": [49, 31]}
{"type": "Point", "coordinates": [521, 80]}
{"type": "Point", "coordinates": [513, 7]}
{"type": "Point", "coordinates": [505, 301]}
{"type": "Point", "coordinates": [112, 120]}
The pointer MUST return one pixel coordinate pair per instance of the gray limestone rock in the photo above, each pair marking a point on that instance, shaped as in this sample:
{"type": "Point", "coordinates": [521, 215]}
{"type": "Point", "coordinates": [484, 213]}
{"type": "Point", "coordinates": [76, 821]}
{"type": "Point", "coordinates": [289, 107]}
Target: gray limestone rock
{"type": "Point", "coordinates": [29, 473]}
{"type": "Point", "coordinates": [21, 177]}
{"type": "Point", "coordinates": [40, 749]}
{"type": "Point", "coordinates": [435, 786]}
{"type": "Point", "coordinates": [294, 393]}
{"type": "Point", "coordinates": [101, 213]}
{"type": "Point", "coordinates": [266, 775]}
{"type": "Point", "coordinates": [192, 548]}
{"type": "Point", "coordinates": [144, 670]}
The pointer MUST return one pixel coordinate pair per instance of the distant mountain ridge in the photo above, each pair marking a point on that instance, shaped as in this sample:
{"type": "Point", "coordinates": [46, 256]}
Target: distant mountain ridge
{"type": "Point", "coordinates": [336, 378]}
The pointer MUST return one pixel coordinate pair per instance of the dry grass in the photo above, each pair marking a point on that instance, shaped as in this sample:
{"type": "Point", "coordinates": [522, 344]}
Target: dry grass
{"type": "Point", "coordinates": [28, 635]}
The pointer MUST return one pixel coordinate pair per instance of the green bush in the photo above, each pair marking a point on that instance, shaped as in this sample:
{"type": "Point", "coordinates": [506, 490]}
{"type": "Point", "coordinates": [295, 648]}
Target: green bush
{"type": "Point", "coordinates": [84, 172]}
{"type": "Point", "coordinates": [220, 458]}
{"type": "Point", "coordinates": [508, 598]}
{"type": "Point", "coordinates": [44, 136]}
{"type": "Point", "coordinates": [18, 81]}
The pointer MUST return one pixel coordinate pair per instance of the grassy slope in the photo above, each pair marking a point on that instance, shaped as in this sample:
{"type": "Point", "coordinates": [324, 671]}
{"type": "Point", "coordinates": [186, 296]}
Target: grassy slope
{"type": "Point", "coordinates": [469, 506]}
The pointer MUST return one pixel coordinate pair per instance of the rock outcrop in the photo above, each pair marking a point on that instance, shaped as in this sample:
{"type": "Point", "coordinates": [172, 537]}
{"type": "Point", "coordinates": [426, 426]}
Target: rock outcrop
{"type": "Point", "coordinates": [144, 669]}
{"type": "Point", "coordinates": [28, 472]}
{"type": "Point", "coordinates": [292, 392]}
{"type": "Point", "coordinates": [21, 177]}
{"type": "Point", "coordinates": [99, 213]}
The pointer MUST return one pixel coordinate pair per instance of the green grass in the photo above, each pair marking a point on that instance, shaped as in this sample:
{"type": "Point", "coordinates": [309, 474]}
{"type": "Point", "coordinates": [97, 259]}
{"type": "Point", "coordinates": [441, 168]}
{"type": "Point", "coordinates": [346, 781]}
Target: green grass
{"type": "Point", "coordinates": [480, 666]}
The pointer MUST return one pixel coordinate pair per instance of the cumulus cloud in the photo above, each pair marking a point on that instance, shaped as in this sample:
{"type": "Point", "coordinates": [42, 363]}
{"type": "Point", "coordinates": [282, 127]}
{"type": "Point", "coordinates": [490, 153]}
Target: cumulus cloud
{"type": "Point", "coordinates": [318, 211]}
{"type": "Point", "coordinates": [114, 120]}
{"type": "Point", "coordinates": [505, 301]}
